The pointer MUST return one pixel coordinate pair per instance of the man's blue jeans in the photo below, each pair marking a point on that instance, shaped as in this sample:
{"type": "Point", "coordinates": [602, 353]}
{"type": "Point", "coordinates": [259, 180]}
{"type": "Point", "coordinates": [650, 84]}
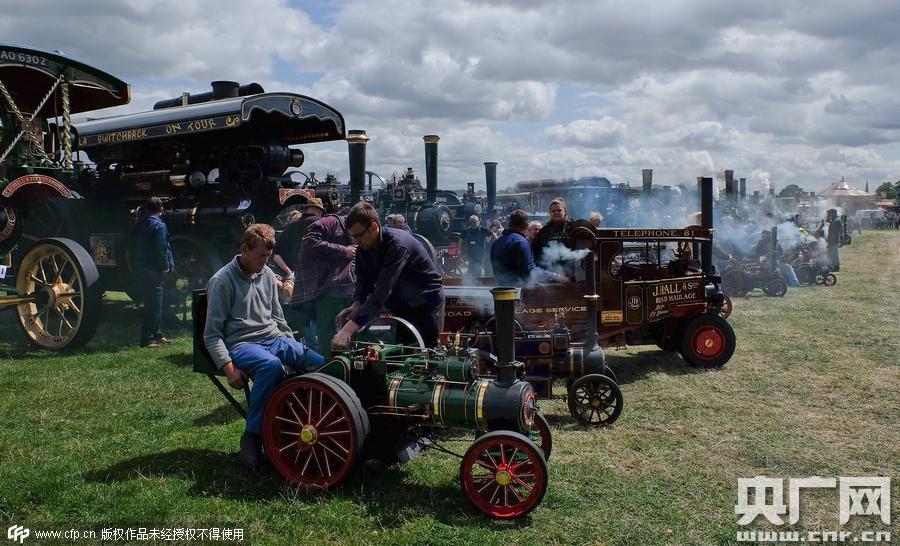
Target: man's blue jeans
{"type": "Point", "coordinates": [265, 363]}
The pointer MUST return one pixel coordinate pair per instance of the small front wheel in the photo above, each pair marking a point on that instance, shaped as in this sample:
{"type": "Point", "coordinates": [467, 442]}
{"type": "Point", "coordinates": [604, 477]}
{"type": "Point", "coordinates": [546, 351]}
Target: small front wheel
{"type": "Point", "coordinates": [829, 279]}
{"type": "Point", "coordinates": [504, 474]}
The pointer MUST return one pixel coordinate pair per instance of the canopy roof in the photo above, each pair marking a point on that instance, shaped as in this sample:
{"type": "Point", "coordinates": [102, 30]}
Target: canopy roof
{"type": "Point", "coordinates": [28, 74]}
{"type": "Point", "coordinates": [842, 189]}
{"type": "Point", "coordinates": [294, 119]}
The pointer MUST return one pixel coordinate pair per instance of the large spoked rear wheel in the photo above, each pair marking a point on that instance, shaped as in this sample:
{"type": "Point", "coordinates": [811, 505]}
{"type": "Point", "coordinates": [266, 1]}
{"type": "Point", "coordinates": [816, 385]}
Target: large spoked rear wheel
{"type": "Point", "coordinates": [504, 474]}
{"type": "Point", "coordinates": [595, 400]}
{"type": "Point", "coordinates": [776, 287]}
{"type": "Point", "coordinates": [806, 275]}
{"type": "Point", "coordinates": [313, 431]}
{"type": "Point", "coordinates": [708, 342]}
{"type": "Point", "coordinates": [735, 283]}
{"type": "Point", "coordinates": [64, 285]}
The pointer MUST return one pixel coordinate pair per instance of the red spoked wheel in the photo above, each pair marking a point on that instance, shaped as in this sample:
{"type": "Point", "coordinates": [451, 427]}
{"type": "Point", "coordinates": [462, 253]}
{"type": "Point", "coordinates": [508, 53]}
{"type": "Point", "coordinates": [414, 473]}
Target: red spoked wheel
{"type": "Point", "coordinates": [595, 400]}
{"type": "Point", "coordinates": [708, 342]}
{"type": "Point", "coordinates": [313, 431]}
{"type": "Point", "coordinates": [504, 474]}
{"type": "Point", "coordinates": [725, 311]}
{"type": "Point", "coordinates": [541, 436]}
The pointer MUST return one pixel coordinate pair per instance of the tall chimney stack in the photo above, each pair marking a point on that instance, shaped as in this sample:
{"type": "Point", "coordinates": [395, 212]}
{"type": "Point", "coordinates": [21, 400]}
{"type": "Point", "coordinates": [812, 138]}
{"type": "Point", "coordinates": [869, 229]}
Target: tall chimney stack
{"type": "Point", "coordinates": [706, 220]}
{"type": "Point", "coordinates": [743, 188]}
{"type": "Point", "coordinates": [356, 142]}
{"type": "Point", "coordinates": [647, 176]}
{"type": "Point", "coordinates": [729, 187]}
{"type": "Point", "coordinates": [431, 177]}
{"type": "Point", "coordinates": [490, 180]}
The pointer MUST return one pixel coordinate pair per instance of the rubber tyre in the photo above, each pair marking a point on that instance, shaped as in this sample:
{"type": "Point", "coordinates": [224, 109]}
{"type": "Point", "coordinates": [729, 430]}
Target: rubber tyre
{"type": "Point", "coordinates": [83, 278]}
{"type": "Point", "coordinates": [708, 341]}
{"type": "Point", "coordinates": [829, 280]}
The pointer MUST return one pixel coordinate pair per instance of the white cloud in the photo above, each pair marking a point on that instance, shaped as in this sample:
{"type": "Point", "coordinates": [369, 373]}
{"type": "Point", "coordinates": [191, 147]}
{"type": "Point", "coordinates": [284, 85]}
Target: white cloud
{"type": "Point", "coordinates": [802, 93]}
{"type": "Point", "coordinates": [591, 133]}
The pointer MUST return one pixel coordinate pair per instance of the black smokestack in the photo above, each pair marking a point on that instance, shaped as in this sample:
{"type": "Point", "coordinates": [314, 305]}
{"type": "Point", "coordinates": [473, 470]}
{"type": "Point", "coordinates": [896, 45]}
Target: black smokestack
{"type": "Point", "coordinates": [772, 190]}
{"type": "Point", "coordinates": [222, 89]}
{"type": "Point", "coordinates": [356, 141]}
{"type": "Point", "coordinates": [490, 179]}
{"type": "Point", "coordinates": [591, 297]}
{"type": "Point", "coordinates": [743, 188]}
{"type": "Point", "coordinates": [755, 197]}
{"type": "Point", "coordinates": [706, 220]}
{"type": "Point", "coordinates": [431, 157]}
{"type": "Point", "coordinates": [774, 254]}
{"type": "Point", "coordinates": [729, 187]}
{"type": "Point", "coordinates": [647, 177]}
{"type": "Point", "coordinates": [505, 314]}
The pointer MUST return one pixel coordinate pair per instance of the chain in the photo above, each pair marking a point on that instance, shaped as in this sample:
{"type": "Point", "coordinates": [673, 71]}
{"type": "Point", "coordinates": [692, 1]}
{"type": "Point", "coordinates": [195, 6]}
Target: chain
{"type": "Point", "coordinates": [37, 145]}
{"type": "Point", "coordinates": [67, 128]}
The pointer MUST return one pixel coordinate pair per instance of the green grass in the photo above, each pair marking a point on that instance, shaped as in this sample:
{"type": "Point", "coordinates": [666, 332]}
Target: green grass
{"type": "Point", "coordinates": [122, 437]}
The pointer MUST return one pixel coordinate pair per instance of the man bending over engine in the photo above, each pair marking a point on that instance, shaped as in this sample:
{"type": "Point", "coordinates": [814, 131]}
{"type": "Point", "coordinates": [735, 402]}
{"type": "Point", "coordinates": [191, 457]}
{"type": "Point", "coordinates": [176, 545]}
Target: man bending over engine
{"type": "Point", "coordinates": [246, 333]}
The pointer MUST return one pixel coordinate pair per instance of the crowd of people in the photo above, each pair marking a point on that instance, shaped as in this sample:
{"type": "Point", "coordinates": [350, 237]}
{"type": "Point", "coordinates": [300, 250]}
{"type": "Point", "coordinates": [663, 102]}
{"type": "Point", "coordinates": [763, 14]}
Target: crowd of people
{"type": "Point", "coordinates": [334, 274]}
{"type": "Point", "coordinates": [337, 272]}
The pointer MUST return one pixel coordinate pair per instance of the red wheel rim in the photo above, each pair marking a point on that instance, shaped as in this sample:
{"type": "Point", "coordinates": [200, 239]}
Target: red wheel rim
{"type": "Point", "coordinates": [309, 434]}
{"type": "Point", "coordinates": [708, 342]}
{"type": "Point", "coordinates": [503, 477]}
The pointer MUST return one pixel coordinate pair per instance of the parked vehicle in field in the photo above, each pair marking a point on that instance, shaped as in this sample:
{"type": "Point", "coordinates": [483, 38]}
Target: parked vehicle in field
{"type": "Point", "coordinates": [217, 160]}
{"type": "Point", "coordinates": [389, 396]}
{"type": "Point", "coordinates": [48, 275]}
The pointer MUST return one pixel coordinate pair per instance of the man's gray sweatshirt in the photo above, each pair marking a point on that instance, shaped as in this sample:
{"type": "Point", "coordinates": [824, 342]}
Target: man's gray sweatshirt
{"type": "Point", "coordinates": [241, 308]}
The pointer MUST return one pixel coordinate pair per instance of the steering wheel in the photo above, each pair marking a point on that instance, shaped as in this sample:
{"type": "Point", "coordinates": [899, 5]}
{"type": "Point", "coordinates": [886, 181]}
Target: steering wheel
{"type": "Point", "coordinates": [389, 334]}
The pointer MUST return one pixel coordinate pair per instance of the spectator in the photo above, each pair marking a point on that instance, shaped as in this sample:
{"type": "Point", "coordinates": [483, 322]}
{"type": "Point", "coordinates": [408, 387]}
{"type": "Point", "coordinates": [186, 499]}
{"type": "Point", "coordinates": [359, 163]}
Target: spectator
{"type": "Point", "coordinates": [155, 259]}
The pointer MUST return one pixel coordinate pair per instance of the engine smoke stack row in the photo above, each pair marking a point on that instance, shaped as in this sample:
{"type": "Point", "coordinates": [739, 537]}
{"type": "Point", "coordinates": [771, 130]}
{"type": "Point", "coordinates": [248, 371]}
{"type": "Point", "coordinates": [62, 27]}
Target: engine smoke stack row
{"type": "Point", "coordinates": [729, 187]}
{"type": "Point", "coordinates": [431, 159]}
{"type": "Point", "coordinates": [490, 179]}
{"type": "Point", "coordinates": [356, 141]}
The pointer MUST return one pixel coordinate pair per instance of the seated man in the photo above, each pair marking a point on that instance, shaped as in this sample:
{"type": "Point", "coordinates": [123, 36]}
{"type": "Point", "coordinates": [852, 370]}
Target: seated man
{"type": "Point", "coordinates": [246, 333]}
{"type": "Point", "coordinates": [512, 259]}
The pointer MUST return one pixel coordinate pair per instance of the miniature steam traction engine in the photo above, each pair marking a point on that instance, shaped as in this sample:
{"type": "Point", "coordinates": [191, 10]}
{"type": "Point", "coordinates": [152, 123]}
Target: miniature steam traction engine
{"type": "Point", "coordinates": [739, 278]}
{"type": "Point", "coordinates": [389, 395]}
{"type": "Point", "coordinates": [639, 298]}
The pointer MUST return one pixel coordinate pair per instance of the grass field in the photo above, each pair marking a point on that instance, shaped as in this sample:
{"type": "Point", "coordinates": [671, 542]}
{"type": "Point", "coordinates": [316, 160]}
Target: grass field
{"type": "Point", "coordinates": [122, 437]}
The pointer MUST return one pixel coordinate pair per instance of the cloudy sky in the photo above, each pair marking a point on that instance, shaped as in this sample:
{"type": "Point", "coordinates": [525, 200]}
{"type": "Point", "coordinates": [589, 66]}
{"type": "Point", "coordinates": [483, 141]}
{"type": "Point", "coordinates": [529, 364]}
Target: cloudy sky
{"type": "Point", "coordinates": [784, 91]}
